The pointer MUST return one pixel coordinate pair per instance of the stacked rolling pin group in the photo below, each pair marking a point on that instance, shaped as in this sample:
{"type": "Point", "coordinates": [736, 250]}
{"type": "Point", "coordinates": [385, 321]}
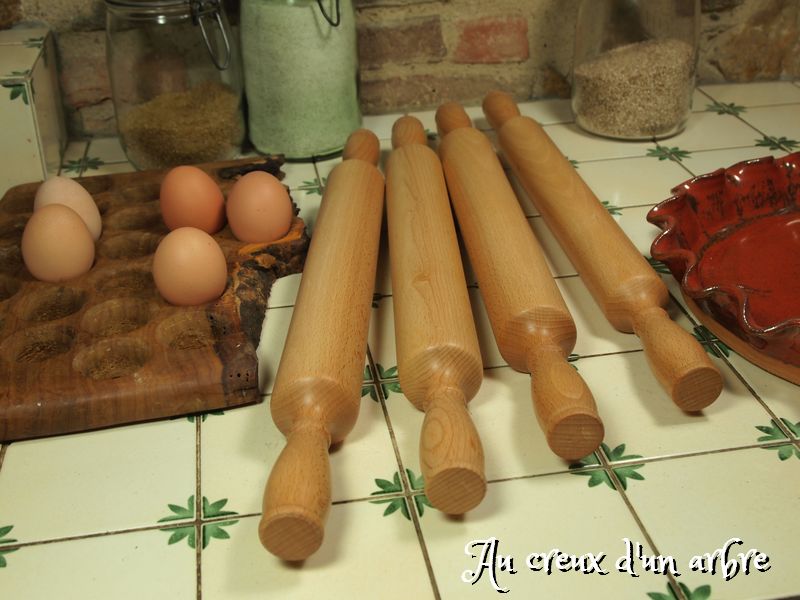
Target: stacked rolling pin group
{"type": "Point", "coordinates": [316, 395]}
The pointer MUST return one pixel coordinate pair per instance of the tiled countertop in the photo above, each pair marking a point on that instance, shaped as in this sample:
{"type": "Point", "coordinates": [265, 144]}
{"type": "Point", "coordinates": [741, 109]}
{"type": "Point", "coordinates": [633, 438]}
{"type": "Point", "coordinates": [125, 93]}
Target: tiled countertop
{"type": "Point", "coordinates": [115, 513]}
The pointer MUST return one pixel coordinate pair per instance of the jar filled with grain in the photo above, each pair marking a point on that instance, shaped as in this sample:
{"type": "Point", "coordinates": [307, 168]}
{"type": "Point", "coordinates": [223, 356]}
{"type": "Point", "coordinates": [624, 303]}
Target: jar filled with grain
{"type": "Point", "coordinates": [634, 67]}
{"type": "Point", "coordinates": [176, 81]}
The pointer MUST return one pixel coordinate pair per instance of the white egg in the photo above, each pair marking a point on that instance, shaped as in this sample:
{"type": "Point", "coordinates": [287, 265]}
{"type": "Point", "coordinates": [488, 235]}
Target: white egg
{"type": "Point", "coordinates": [66, 191]}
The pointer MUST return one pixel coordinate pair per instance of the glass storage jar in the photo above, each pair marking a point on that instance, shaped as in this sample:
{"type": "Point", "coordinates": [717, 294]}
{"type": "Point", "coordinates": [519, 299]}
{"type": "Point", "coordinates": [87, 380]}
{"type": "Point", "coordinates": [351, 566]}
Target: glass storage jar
{"type": "Point", "coordinates": [176, 81]}
{"type": "Point", "coordinates": [634, 66]}
{"type": "Point", "coordinates": [301, 72]}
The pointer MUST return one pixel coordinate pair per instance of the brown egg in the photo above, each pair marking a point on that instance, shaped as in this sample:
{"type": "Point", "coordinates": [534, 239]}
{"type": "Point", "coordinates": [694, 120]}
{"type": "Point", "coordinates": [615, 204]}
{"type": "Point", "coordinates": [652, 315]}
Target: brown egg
{"type": "Point", "coordinates": [63, 190]}
{"type": "Point", "coordinates": [56, 244]}
{"type": "Point", "coordinates": [189, 267]}
{"type": "Point", "coordinates": [259, 208]}
{"type": "Point", "coordinates": [190, 198]}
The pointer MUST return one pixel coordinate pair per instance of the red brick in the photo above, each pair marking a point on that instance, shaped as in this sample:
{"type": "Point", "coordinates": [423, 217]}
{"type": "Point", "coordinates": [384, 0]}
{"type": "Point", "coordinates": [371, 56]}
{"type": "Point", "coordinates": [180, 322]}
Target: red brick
{"type": "Point", "coordinates": [492, 40]}
{"type": "Point", "coordinates": [413, 92]}
{"type": "Point", "coordinates": [415, 40]}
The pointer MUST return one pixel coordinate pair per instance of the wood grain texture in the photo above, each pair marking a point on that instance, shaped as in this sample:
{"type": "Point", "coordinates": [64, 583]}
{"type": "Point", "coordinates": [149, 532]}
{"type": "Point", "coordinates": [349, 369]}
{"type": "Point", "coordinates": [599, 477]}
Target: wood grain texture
{"type": "Point", "coordinates": [317, 392]}
{"type": "Point", "coordinates": [630, 293]}
{"type": "Point", "coordinates": [439, 360]}
{"type": "Point", "coordinates": [531, 324]}
{"type": "Point", "coordinates": [104, 348]}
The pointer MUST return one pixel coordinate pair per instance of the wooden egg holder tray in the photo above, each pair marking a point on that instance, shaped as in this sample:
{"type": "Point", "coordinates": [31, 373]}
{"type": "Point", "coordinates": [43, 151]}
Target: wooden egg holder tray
{"type": "Point", "coordinates": [105, 349]}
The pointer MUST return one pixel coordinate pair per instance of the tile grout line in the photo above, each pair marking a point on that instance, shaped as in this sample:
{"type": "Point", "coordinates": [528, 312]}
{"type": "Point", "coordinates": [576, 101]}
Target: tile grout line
{"type": "Point", "coordinates": [774, 417]}
{"type": "Point", "coordinates": [198, 534]}
{"type": "Point", "coordinates": [673, 584]}
{"type": "Point", "coordinates": [408, 492]}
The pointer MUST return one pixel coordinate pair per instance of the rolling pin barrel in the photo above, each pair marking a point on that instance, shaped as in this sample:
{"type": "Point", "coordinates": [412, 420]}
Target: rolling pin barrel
{"type": "Point", "coordinates": [532, 325]}
{"type": "Point", "coordinates": [317, 389]}
{"type": "Point", "coordinates": [630, 293]}
{"type": "Point", "coordinates": [439, 360]}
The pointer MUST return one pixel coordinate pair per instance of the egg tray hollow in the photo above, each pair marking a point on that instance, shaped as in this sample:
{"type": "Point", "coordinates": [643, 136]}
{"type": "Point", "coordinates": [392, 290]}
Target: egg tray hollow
{"type": "Point", "coordinates": [105, 348]}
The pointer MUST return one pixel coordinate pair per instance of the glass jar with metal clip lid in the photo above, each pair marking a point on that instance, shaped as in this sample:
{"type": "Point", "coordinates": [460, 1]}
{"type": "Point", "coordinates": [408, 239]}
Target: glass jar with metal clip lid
{"type": "Point", "coordinates": [176, 81]}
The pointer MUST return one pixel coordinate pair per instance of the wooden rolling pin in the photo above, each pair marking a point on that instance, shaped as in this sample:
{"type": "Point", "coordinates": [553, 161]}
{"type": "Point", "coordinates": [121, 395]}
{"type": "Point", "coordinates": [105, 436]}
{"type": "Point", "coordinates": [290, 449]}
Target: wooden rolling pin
{"type": "Point", "coordinates": [439, 360]}
{"type": "Point", "coordinates": [628, 290]}
{"type": "Point", "coordinates": [317, 390]}
{"type": "Point", "coordinates": [531, 323]}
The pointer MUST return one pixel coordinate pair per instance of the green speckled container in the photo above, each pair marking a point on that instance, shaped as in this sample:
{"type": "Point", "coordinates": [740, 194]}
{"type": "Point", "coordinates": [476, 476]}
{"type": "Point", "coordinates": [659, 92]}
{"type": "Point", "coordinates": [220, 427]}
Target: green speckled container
{"type": "Point", "coordinates": [300, 76]}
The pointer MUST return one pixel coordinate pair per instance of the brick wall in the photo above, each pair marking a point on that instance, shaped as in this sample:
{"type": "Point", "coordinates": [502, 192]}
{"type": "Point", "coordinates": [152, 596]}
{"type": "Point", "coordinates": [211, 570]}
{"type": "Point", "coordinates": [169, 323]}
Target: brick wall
{"type": "Point", "coordinates": [418, 53]}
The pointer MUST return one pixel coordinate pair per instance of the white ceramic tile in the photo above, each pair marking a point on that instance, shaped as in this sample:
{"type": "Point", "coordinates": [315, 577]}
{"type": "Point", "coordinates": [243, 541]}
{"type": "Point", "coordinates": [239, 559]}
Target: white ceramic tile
{"type": "Point", "coordinates": [75, 150]}
{"type": "Point", "coordinates": [284, 291]}
{"type": "Point", "coordinates": [363, 555]}
{"type": "Point", "coordinates": [548, 111]}
{"type": "Point", "coordinates": [699, 100]}
{"type": "Point", "coordinates": [595, 333]}
{"type": "Point", "coordinates": [764, 93]}
{"type": "Point", "coordinates": [692, 506]}
{"type": "Point", "coordinates": [633, 222]}
{"type": "Point", "coordinates": [777, 122]}
{"type": "Point", "coordinates": [538, 515]}
{"type": "Point", "coordinates": [299, 175]}
{"type": "Point", "coordinates": [248, 439]}
{"type": "Point", "coordinates": [502, 411]}
{"type": "Point", "coordinates": [778, 394]}
{"type": "Point", "coordinates": [380, 125]}
{"type": "Point", "coordinates": [123, 566]}
{"type": "Point", "coordinates": [109, 150]}
{"type": "Point", "coordinates": [381, 333]}
{"type": "Point", "coordinates": [707, 130]}
{"type": "Point", "coordinates": [270, 347]}
{"type": "Point", "coordinates": [700, 163]}
{"type": "Point", "coordinates": [98, 481]}
{"type": "Point", "coordinates": [273, 336]}
{"type": "Point", "coordinates": [557, 260]}
{"type": "Point", "coordinates": [308, 201]}
{"type": "Point", "coordinates": [632, 181]}
{"type": "Point", "coordinates": [639, 413]}
{"type": "Point", "coordinates": [22, 35]}
{"type": "Point", "coordinates": [110, 168]}
{"type": "Point", "coordinates": [578, 145]}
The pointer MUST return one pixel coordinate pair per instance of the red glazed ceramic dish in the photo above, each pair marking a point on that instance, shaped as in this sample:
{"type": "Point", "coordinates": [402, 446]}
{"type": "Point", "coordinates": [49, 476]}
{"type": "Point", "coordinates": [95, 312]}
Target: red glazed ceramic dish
{"type": "Point", "coordinates": [732, 240]}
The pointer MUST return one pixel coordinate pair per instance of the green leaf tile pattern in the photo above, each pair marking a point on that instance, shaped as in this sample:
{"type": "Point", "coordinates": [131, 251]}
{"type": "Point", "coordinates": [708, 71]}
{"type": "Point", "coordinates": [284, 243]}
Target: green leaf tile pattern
{"type": "Point", "coordinates": [4, 531]}
{"type": "Point", "coordinates": [314, 186]}
{"type": "Point", "coordinates": [611, 208]}
{"type": "Point", "coordinates": [596, 477]}
{"type": "Point", "coordinates": [711, 343]}
{"type": "Point", "coordinates": [781, 143]}
{"type": "Point", "coordinates": [665, 153]}
{"type": "Point", "coordinates": [205, 415]}
{"type": "Point", "coordinates": [17, 91]}
{"type": "Point", "coordinates": [723, 108]}
{"type": "Point", "coordinates": [400, 503]}
{"type": "Point", "coordinates": [658, 266]}
{"type": "Point", "coordinates": [36, 42]}
{"type": "Point", "coordinates": [599, 476]}
{"type": "Point", "coordinates": [377, 297]}
{"type": "Point", "coordinates": [180, 512]}
{"type": "Point", "coordinates": [775, 434]}
{"type": "Point", "coordinates": [209, 510]}
{"type": "Point", "coordinates": [701, 593]}
{"type": "Point", "coordinates": [81, 165]}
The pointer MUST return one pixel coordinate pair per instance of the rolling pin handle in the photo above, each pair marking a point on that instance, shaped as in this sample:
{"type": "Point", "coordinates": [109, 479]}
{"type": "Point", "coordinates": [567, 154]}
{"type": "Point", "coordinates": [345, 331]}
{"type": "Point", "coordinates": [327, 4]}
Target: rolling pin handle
{"type": "Point", "coordinates": [451, 454]}
{"type": "Point", "coordinates": [298, 495]}
{"type": "Point", "coordinates": [364, 145]}
{"type": "Point", "coordinates": [678, 360]}
{"type": "Point", "coordinates": [564, 405]}
{"type": "Point", "coordinates": [499, 107]}
{"type": "Point", "coordinates": [450, 116]}
{"type": "Point", "coordinates": [408, 130]}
